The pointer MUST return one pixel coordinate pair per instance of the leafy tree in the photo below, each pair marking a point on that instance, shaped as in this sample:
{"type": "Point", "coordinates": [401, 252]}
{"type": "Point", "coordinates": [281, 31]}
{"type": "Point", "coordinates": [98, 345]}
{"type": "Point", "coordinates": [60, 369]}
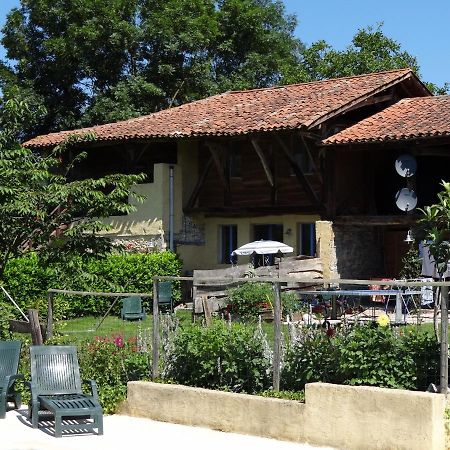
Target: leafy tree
{"type": "Point", "coordinates": [42, 209]}
{"type": "Point", "coordinates": [370, 51]}
{"type": "Point", "coordinates": [91, 61]}
{"type": "Point", "coordinates": [254, 46]}
{"type": "Point", "coordinates": [434, 227]}
{"type": "Point", "coordinates": [70, 51]}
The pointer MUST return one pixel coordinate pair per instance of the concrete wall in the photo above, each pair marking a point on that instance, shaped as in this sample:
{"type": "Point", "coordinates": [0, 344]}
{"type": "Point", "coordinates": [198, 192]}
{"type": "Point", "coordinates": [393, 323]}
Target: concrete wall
{"type": "Point", "coordinates": [148, 219]}
{"type": "Point", "coordinates": [343, 417]}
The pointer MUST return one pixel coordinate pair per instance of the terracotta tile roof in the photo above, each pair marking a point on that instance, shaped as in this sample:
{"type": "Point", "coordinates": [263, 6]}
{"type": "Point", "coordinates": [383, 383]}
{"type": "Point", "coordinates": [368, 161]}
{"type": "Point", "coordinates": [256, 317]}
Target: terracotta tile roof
{"type": "Point", "coordinates": [410, 118]}
{"type": "Point", "coordinates": [243, 112]}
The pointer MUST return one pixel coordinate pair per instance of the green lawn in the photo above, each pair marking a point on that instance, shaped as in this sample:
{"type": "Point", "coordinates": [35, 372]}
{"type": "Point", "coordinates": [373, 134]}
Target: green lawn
{"type": "Point", "coordinates": [89, 327]}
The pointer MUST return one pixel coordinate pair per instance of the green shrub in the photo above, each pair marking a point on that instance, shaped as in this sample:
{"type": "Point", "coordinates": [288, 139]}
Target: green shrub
{"type": "Point", "coordinates": [375, 356]}
{"type": "Point", "coordinates": [27, 281]}
{"type": "Point", "coordinates": [411, 264]}
{"type": "Point", "coordinates": [223, 356]}
{"type": "Point", "coordinates": [7, 313]}
{"type": "Point", "coordinates": [298, 396]}
{"type": "Point", "coordinates": [248, 299]}
{"type": "Point", "coordinates": [425, 353]}
{"type": "Point", "coordinates": [314, 358]}
{"type": "Point", "coordinates": [363, 355]}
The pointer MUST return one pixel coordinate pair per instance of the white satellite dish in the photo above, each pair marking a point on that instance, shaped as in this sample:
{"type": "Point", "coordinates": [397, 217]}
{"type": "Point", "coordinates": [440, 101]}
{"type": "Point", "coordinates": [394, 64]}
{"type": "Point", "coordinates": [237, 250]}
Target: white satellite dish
{"type": "Point", "coordinates": [406, 165]}
{"type": "Point", "coordinates": [406, 199]}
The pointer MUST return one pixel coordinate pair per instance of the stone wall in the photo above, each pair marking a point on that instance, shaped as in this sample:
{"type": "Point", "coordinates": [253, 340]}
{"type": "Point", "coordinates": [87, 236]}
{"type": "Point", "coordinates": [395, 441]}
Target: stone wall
{"type": "Point", "coordinates": [359, 252]}
{"type": "Point", "coordinates": [349, 252]}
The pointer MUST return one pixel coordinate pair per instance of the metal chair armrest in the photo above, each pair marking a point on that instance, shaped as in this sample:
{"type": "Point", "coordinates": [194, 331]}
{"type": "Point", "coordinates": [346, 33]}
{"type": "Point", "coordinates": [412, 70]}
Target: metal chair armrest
{"type": "Point", "coordinates": [11, 379]}
{"type": "Point", "coordinates": [92, 386]}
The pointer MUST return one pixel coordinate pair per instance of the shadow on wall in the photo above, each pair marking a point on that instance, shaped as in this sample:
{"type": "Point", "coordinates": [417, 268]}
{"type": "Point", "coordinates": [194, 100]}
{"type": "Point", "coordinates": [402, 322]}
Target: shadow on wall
{"type": "Point", "coordinates": [359, 252]}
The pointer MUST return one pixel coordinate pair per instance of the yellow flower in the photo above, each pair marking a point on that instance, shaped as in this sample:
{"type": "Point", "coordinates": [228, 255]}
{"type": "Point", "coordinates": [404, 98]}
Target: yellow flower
{"type": "Point", "coordinates": [383, 320]}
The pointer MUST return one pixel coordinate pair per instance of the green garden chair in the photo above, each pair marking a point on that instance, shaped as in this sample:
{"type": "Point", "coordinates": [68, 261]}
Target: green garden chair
{"type": "Point", "coordinates": [132, 308]}
{"type": "Point", "coordinates": [9, 364]}
{"type": "Point", "coordinates": [165, 300]}
{"type": "Point", "coordinates": [56, 387]}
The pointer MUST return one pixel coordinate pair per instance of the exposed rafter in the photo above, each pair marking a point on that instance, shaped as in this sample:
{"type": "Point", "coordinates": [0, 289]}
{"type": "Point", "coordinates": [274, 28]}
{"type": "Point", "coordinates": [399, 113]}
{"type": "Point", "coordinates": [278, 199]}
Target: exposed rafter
{"type": "Point", "coordinates": [198, 186]}
{"type": "Point", "coordinates": [264, 162]}
{"type": "Point", "coordinates": [373, 101]}
{"type": "Point", "coordinates": [217, 152]}
{"type": "Point", "coordinates": [310, 156]}
{"type": "Point", "coordinates": [299, 173]}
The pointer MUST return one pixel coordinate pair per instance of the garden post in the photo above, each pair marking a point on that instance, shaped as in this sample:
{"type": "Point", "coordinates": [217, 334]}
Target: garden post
{"type": "Point", "coordinates": [277, 336]}
{"type": "Point", "coordinates": [155, 341]}
{"type": "Point", "coordinates": [444, 341]}
{"type": "Point", "coordinates": [35, 327]}
{"type": "Point", "coordinates": [49, 332]}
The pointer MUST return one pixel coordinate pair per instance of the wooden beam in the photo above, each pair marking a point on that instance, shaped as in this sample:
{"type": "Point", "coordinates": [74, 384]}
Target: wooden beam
{"type": "Point", "coordinates": [201, 181]}
{"type": "Point", "coordinates": [373, 101]}
{"type": "Point", "coordinates": [432, 151]}
{"type": "Point", "coordinates": [310, 156]}
{"type": "Point", "coordinates": [376, 220]}
{"type": "Point", "coordinates": [216, 151]}
{"type": "Point", "coordinates": [330, 186]}
{"type": "Point", "coordinates": [299, 174]}
{"type": "Point", "coordinates": [264, 161]}
{"type": "Point", "coordinates": [253, 211]}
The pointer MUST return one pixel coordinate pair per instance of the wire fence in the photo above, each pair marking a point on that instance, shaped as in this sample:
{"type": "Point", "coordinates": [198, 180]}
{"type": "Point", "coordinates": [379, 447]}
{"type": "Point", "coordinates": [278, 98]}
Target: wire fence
{"type": "Point", "coordinates": [283, 314]}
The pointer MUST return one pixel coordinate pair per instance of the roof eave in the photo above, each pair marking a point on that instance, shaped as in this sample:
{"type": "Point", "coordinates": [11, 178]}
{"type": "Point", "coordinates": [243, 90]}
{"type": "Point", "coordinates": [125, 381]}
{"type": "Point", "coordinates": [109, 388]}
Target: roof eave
{"type": "Point", "coordinates": [361, 99]}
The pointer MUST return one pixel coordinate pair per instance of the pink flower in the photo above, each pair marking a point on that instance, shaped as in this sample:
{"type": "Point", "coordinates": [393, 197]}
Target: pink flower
{"type": "Point", "coordinates": [118, 341]}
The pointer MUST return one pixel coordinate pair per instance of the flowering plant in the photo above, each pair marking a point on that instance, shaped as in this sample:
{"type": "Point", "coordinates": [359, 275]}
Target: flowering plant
{"type": "Point", "coordinates": [112, 361]}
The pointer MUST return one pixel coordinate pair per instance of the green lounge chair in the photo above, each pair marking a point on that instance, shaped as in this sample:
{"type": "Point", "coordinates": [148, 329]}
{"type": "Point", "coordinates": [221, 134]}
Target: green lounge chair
{"type": "Point", "coordinates": [56, 387]}
{"type": "Point", "coordinates": [132, 308]}
{"type": "Point", "coordinates": [165, 301]}
{"type": "Point", "coordinates": [9, 364]}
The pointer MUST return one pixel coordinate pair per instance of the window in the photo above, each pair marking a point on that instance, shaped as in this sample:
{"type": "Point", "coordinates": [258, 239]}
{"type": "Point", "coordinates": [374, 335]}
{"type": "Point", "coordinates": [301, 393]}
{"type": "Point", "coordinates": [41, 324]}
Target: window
{"type": "Point", "coordinates": [307, 239]}
{"type": "Point", "coordinates": [270, 232]}
{"type": "Point", "coordinates": [228, 243]}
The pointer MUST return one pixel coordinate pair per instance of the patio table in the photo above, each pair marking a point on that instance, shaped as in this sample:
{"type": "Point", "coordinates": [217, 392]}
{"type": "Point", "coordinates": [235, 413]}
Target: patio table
{"type": "Point", "coordinates": [398, 293]}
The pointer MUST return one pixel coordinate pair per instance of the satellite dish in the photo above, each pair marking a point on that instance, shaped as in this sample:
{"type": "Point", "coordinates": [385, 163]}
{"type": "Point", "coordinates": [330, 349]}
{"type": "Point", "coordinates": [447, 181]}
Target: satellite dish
{"type": "Point", "coordinates": [406, 199]}
{"type": "Point", "coordinates": [406, 165]}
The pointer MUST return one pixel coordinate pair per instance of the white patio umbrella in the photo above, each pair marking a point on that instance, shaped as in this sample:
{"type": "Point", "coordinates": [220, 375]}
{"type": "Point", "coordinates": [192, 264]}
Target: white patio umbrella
{"type": "Point", "coordinates": [263, 247]}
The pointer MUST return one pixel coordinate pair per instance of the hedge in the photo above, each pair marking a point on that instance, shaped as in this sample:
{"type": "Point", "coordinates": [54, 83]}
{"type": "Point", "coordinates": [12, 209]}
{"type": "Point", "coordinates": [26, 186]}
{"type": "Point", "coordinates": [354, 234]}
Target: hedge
{"type": "Point", "coordinates": [27, 281]}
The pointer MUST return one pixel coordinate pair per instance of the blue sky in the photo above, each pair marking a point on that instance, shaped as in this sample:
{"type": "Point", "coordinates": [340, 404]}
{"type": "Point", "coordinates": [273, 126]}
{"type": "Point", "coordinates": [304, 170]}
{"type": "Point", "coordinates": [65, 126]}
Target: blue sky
{"type": "Point", "coordinates": [422, 28]}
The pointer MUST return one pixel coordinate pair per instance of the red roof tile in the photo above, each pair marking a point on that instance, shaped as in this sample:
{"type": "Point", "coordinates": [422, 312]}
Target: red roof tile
{"type": "Point", "coordinates": [410, 118]}
{"type": "Point", "coordinates": [243, 112]}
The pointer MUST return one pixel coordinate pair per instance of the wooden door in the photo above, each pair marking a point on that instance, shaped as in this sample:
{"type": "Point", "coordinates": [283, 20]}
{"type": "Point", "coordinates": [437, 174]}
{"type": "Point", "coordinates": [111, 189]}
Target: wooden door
{"type": "Point", "coordinates": [395, 249]}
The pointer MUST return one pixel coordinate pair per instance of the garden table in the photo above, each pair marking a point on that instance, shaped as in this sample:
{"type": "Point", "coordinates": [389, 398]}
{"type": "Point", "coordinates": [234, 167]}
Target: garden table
{"type": "Point", "coordinates": [398, 293]}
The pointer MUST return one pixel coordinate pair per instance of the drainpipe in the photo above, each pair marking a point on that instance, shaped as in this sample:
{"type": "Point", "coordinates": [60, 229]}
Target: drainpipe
{"type": "Point", "coordinates": [171, 171]}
